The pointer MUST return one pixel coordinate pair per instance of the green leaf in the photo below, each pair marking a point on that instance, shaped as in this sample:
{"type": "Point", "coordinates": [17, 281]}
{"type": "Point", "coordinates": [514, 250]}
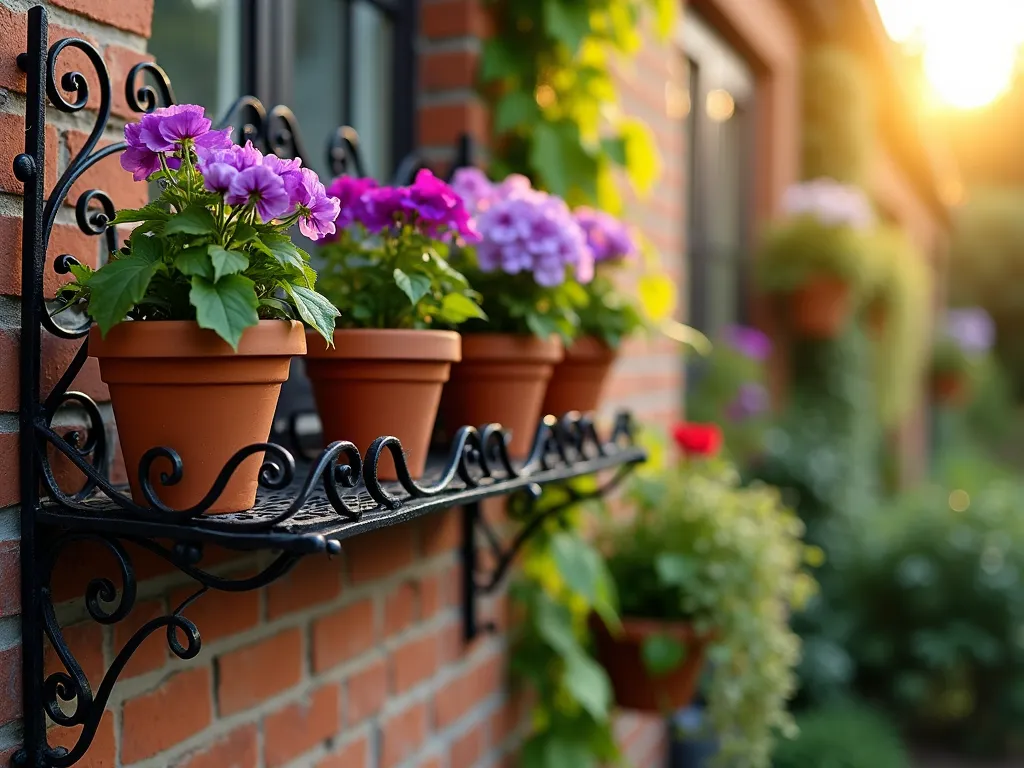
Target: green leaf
{"type": "Point", "coordinates": [314, 309]}
{"type": "Point", "coordinates": [662, 654]}
{"type": "Point", "coordinates": [145, 213]}
{"type": "Point", "coordinates": [194, 220]}
{"type": "Point", "coordinates": [497, 61]}
{"type": "Point", "coordinates": [145, 247]}
{"type": "Point", "coordinates": [226, 262]}
{"type": "Point", "coordinates": [615, 148]}
{"type": "Point", "coordinates": [568, 21]}
{"type": "Point", "coordinates": [414, 286]}
{"type": "Point", "coordinates": [540, 325]}
{"type": "Point", "coordinates": [283, 249]}
{"type": "Point", "coordinates": [560, 160]}
{"type": "Point", "coordinates": [244, 233]}
{"type": "Point", "coordinates": [554, 625]}
{"type": "Point", "coordinates": [458, 308]}
{"type": "Point", "coordinates": [515, 108]}
{"type": "Point", "coordinates": [116, 288]}
{"type": "Point", "coordinates": [674, 569]}
{"type": "Point", "coordinates": [227, 306]}
{"type": "Point", "coordinates": [581, 567]}
{"type": "Point", "coordinates": [448, 270]}
{"type": "Point", "coordinates": [588, 683]}
{"type": "Point", "coordinates": [194, 261]}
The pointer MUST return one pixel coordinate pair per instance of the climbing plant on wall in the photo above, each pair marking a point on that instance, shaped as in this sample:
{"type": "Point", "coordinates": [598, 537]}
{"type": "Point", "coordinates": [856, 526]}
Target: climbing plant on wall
{"type": "Point", "coordinates": [547, 76]}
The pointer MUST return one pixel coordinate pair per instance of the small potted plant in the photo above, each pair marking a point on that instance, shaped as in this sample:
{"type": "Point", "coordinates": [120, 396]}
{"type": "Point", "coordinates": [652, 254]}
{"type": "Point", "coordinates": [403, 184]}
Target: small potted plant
{"type": "Point", "coordinates": [707, 567]}
{"type": "Point", "coordinates": [815, 260]}
{"type": "Point", "coordinates": [607, 317]}
{"type": "Point", "coordinates": [388, 273]}
{"type": "Point", "coordinates": [968, 334]}
{"type": "Point", "coordinates": [196, 316]}
{"type": "Point", "coordinates": [530, 246]}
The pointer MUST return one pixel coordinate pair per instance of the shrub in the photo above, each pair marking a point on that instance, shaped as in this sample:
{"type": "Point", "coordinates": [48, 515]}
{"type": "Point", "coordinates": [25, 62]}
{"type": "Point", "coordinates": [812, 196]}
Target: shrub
{"type": "Point", "coordinates": [845, 735]}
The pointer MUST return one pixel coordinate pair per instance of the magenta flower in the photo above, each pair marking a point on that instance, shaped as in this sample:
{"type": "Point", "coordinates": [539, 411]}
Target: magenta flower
{"type": "Point", "coordinates": [260, 187]}
{"type": "Point", "coordinates": [382, 207]}
{"type": "Point", "coordinates": [749, 342]}
{"type": "Point", "coordinates": [318, 211]}
{"type": "Point", "coordinates": [349, 190]}
{"type": "Point", "coordinates": [187, 123]}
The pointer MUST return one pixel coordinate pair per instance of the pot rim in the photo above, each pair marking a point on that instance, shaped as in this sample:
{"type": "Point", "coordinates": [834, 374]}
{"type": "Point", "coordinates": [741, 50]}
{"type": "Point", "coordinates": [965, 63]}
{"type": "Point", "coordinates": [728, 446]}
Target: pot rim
{"type": "Point", "coordinates": [512, 347]}
{"type": "Point", "coordinates": [590, 349]}
{"type": "Point", "coordinates": [637, 629]}
{"type": "Point", "coordinates": [428, 345]}
{"type": "Point", "coordinates": [185, 339]}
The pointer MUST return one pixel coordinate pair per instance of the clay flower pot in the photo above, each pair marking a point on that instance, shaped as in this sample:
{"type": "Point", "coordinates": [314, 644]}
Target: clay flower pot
{"type": "Point", "coordinates": [502, 378]}
{"type": "Point", "coordinates": [376, 382]}
{"type": "Point", "coordinates": [635, 688]}
{"type": "Point", "coordinates": [949, 387]}
{"type": "Point", "coordinates": [578, 381]}
{"type": "Point", "coordinates": [819, 308]}
{"type": "Point", "coordinates": [176, 385]}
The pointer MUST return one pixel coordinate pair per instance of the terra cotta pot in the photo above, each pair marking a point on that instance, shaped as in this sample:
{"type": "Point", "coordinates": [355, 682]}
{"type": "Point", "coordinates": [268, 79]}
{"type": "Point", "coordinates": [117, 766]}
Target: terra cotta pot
{"type": "Point", "coordinates": [820, 307]}
{"type": "Point", "coordinates": [176, 385]}
{"type": "Point", "coordinates": [635, 688]}
{"type": "Point", "coordinates": [377, 382]}
{"type": "Point", "coordinates": [502, 378]}
{"type": "Point", "coordinates": [578, 381]}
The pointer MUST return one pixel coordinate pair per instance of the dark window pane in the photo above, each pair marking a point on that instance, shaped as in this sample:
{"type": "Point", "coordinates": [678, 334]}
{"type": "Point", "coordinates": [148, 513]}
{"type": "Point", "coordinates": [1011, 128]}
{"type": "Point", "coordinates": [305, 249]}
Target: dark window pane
{"type": "Point", "coordinates": [198, 43]}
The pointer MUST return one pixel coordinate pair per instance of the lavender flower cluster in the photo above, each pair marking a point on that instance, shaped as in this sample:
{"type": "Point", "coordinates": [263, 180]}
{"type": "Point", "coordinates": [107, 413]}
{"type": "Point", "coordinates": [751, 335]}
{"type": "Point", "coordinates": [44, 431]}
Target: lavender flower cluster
{"type": "Point", "coordinates": [609, 239]}
{"type": "Point", "coordinates": [971, 328]}
{"type": "Point", "coordinates": [243, 176]}
{"type": "Point", "coordinates": [832, 203]}
{"type": "Point", "coordinates": [428, 204]}
{"type": "Point", "coordinates": [524, 229]}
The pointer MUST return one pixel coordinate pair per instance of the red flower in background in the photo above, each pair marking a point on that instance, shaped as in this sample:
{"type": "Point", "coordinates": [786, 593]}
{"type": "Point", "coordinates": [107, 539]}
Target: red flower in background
{"type": "Point", "coordinates": [698, 439]}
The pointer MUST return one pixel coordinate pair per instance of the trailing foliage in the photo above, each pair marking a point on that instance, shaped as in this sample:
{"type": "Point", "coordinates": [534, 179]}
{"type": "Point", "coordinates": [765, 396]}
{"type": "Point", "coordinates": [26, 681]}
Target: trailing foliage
{"type": "Point", "coordinates": [729, 559]}
{"type": "Point", "coordinates": [842, 735]}
{"type": "Point", "coordinates": [547, 76]}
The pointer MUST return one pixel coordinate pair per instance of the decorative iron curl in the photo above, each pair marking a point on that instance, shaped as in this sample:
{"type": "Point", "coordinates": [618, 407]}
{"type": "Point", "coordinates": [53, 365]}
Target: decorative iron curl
{"type": "Point", "coordinates": [75, 82]}
{"type": "Point", "coordinates": [284, 138]}
{"type": "Point", "coordinates": [94, 445]}
{"type": "Point", "coordinates": [343, 153]}
{"type": "Point", "coordinates": [145, 97]}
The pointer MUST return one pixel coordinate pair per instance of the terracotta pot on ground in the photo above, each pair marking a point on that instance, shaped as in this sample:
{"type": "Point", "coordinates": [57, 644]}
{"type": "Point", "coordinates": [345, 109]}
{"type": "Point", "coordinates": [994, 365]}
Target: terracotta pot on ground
{"type": "Point", "coordinates": [635, 688]}
{"type": "Point", "coordinates": [949, 388]}
{"type": "Point", "coordinates": [376, 382]}
{"type": "Point", "coordinates": [176, 385]}
{"type": "Point", "coordinates": [820, 307]}
{"type": "Point", "coordinates": [578, 381]}
{"type": "Point", "coordinates": [502, 378]}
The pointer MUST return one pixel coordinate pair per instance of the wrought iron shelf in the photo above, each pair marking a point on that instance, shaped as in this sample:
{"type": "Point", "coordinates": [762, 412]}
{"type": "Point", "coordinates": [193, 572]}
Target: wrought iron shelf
{"type": "Point", "coordinates": [317, 526]}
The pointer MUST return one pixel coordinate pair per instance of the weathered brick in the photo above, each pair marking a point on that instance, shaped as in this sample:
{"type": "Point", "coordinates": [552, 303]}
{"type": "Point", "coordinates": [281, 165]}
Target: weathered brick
{"type": "Point", "coordinates": [365, 692]}
{"type": "Point", "coordinates": [457, 697]}
{"type": "Point", "coordinates": [468, 748]}
{"type": "Point", "coordinates": [253, 674]}
{"type": "Point", "coordinates": [403, 733]}
{"type": "Point", "coordinates": [413, 662]}
{"type": "Point", "coordinates": [135, 16]}
{"type": "Point", "coordinates": [85, 641]}
{"type": "Point", "coordinates": [343, 635]}
{"type": "Point", "coordinates": [13, 35]}
{"type": "Point", "coordinates": [239, 749]}
{"type": "Point", "coordinates": [152, 654]}
{"type": "Point", "coordinates": [10, 684]}
{"type": "Point", "coordinates": [448, 69]}
{"type": "Point", "coordinates": [65, 238]}
{"type": "Point", "coordinates": [120, 61]}
{"type": "Point", "coordinates": [12, 144]}
{"type": "Point", "coordinates": [400, 608]}
{"type": "Point", "coordinates": [221, 614]}
{"type": "Point", "coordinates": [443, 124]}
{"type": "Point", "coordinates": [441, 533]}
{"type": "Point", "coordinates": [299, 727]}
{"type": "Point", "coordinates": [455, 18]}
{"type": "Point", "coordinates": [102, 751]}
{"type": "Point", "coordinates": [354, 754]}
{"type": "Point", "coordinates": [382, 553]}
{"type": "Point", "coordinates": [314, 581]}
{"type": "Point", "coordinates": [179, 708]}
{"type": "Point", "coordinates": [10, 489]}
{"type": "Point", "coordinates": [10, 578]}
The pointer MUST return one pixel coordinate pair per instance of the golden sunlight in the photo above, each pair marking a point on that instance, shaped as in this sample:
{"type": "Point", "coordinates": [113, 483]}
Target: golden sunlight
{"type": "Point", "coordinates": [968, 48]}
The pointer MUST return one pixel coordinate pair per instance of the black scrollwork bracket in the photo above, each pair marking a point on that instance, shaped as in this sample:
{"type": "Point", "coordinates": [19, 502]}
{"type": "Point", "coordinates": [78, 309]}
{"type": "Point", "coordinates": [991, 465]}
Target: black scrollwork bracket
{"type": "Point", "coordinates": [573, 439]}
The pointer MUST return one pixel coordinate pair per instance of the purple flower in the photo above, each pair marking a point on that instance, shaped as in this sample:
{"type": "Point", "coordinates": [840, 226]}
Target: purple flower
{"type": "Point", "coordinates": [138, 159]}
{"type": "Point", "coordinates": [261, 187]}
{"type": "Point", "coordinates": [215, 140]}
{"type": "Point", "coordinates": [971, 328]}
{"type": "Point", "coordinates": [217, 177]}
{"type": "Point", "coordinates": [473, 186]}
{"type": "Point", "coordinates": [749, 342]}
{"type": "Point", "coordinates": [751, 400]}
{"type": "Point", "coordinates": [607, 237]}
{"type": "Point", "coordinates": [382, 207]}
{"type": "Point", "coordinates": [317, 210]}
{"type": "Point", "coordinates": [290, 172]}
{"type": "Point", "coordinates": [349, 190]}
{"type": "Point", "coordinates": [832, 203]}
{"type": "Point", "coordinates": [523, 229]}
{"type": "Point", "coordinates": [430, 198]}
{"type": "Point", "coordinates": [187, 123]}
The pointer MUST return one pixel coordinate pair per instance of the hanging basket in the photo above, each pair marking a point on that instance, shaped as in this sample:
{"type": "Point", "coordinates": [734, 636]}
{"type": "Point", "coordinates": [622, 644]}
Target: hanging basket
{"type": "Point", "coordinates": [820, 307]}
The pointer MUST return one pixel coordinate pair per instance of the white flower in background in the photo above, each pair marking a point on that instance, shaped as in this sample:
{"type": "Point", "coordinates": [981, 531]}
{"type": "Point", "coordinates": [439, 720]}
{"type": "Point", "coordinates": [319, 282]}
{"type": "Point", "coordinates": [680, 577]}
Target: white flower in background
{"type": "Point", "coordinates": [831, 202]}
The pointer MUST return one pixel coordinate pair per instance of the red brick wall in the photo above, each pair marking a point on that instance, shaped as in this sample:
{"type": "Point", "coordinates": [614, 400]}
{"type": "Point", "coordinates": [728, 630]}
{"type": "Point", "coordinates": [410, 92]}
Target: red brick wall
{"type": "Point", "coordinates": [356, 661]}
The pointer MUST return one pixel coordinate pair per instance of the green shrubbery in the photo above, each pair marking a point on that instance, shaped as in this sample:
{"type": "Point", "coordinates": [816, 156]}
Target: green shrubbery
{"type": "Point", "coordinates": [845, 735]}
